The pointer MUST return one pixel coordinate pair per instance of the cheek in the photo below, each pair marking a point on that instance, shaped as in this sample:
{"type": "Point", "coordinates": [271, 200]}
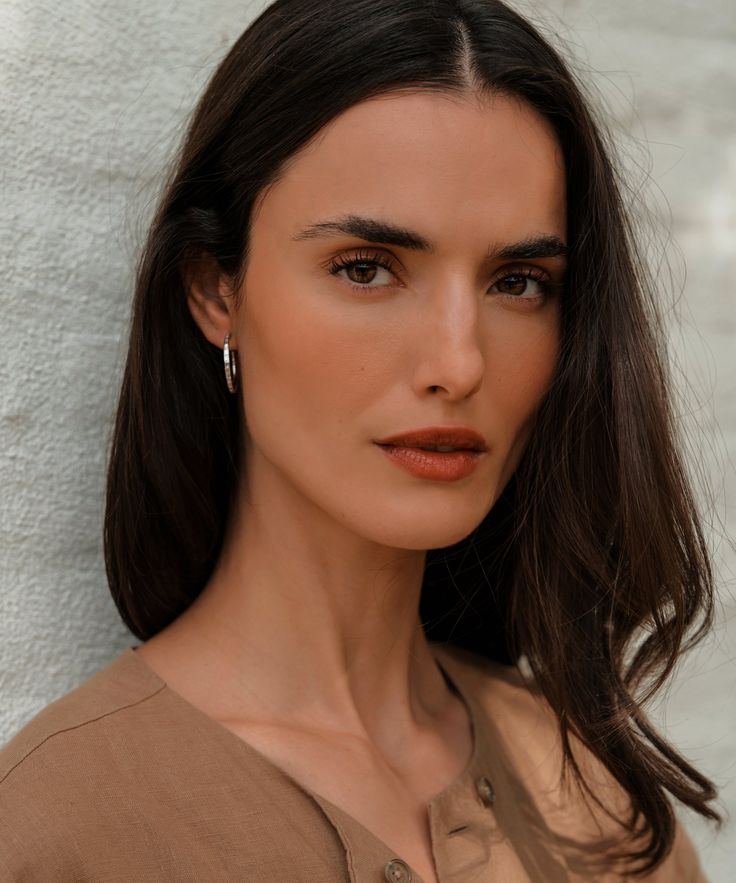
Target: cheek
{"type": "Point", "coordinates": [308, 368]}
{"type": "Point", "coordinates": [521, 365]}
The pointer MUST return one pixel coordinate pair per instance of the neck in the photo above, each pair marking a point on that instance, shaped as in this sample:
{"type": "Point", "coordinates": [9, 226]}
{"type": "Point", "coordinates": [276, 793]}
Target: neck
{"type": "Point", "coordinates": [304, 622]}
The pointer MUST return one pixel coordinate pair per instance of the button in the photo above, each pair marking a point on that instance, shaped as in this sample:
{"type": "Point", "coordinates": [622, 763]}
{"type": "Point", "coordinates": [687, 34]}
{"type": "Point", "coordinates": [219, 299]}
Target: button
{"type": "Point", "coordinates": [397, 871]}
{"type": "Point", "coordinates": [485, 790]}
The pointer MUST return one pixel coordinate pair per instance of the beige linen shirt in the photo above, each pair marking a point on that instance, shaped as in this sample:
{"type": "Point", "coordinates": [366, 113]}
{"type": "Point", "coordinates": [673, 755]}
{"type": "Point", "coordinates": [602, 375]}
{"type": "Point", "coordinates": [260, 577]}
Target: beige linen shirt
{"type": "Point", "coordinates": [122, 779]}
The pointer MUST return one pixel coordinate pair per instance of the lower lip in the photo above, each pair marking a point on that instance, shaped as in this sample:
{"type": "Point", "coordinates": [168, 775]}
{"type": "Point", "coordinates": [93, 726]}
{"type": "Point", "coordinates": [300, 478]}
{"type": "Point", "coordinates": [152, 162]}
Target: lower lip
{"type": "Point", "coordinates": [438, 465]}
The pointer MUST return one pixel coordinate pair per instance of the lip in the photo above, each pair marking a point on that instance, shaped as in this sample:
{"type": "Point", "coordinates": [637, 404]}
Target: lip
{"type": "Point", "coordinates": [434, 465]}
{"type": "Point", "coordinates": [463, 437]}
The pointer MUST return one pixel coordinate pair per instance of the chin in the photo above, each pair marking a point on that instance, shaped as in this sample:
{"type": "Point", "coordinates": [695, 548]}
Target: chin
{"type": "Point", "coordinates": [425, 531]}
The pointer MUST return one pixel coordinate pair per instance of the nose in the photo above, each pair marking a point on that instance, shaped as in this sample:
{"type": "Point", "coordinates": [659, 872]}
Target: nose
{"type": "Point", "coordinates": [450, 361]}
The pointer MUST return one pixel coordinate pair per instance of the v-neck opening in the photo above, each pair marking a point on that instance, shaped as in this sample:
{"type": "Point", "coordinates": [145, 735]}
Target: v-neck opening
{"type": "Point", "coordinates": [243, 745]}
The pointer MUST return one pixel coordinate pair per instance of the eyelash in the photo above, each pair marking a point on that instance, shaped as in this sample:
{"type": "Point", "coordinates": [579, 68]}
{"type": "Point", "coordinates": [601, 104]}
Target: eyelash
{"type": "Point", "coordinates": [342, 262]}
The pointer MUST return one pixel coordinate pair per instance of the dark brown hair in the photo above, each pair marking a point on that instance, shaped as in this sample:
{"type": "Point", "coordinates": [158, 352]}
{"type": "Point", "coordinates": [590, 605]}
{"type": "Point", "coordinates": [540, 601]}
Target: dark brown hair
{"type": "Point", "coordinates": [592, 563]}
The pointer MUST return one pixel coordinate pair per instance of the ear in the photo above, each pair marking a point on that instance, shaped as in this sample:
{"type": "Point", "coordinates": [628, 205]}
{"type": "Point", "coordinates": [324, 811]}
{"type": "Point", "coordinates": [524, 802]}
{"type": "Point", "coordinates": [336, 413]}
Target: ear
{"type": "Point", "coordinates": [210, 298]}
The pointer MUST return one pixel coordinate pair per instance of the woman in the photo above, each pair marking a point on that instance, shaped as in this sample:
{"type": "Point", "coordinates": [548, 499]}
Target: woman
{"type": "Point", "coordinates": [394, 500]}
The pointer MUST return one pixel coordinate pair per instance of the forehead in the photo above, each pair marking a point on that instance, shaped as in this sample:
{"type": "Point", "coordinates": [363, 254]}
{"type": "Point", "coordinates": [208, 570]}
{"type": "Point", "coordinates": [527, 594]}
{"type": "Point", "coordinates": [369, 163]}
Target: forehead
{"type": "Point", "coordinates": [444, 164]}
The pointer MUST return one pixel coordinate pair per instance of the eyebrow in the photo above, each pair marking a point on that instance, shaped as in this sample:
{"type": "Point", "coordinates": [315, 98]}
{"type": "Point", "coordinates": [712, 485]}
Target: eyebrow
{"type": "Point", "coordinates": [375, 230]}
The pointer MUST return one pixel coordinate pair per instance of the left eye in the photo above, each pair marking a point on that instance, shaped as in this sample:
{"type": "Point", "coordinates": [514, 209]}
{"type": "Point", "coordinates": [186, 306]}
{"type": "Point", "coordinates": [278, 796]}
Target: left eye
{"type": "Point", "coordinates": [516, 285]}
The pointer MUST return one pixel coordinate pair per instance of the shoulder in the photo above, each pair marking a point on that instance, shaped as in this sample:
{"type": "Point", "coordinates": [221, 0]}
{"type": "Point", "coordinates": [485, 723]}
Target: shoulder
{"type": "Point", "coordinates": [524, 744]}
{"type": "Point", "coordinates": [56, 762]}
{"type": "Point", "coordinates": [683, 863]}
{"type": "Point", "coordinates": [74, 718]}
{"type": "Point", "coordinates": [122, 778]}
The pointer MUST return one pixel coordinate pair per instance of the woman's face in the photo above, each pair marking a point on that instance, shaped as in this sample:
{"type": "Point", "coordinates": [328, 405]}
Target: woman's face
{"type": "Point", "coordinates": [463, 330]}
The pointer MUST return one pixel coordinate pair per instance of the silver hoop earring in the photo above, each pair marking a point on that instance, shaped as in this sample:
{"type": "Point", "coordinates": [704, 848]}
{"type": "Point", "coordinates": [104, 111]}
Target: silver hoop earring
{"type": "Point", "coordinates": [231, 365]}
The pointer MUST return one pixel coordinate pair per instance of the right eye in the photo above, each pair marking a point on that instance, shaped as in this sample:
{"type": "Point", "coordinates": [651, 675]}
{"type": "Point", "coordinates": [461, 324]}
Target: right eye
{"type": "Point", "coordinates": [362, 266]}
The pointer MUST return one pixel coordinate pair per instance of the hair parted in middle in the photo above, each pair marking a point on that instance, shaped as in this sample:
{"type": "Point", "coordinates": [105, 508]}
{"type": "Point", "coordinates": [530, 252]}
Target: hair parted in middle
{"type": "Point", "coordinates": [592, 563]}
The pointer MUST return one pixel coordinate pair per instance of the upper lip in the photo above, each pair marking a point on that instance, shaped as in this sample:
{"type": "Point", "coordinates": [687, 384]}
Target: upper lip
{"type": "Point", "coordinates": [438, 436]}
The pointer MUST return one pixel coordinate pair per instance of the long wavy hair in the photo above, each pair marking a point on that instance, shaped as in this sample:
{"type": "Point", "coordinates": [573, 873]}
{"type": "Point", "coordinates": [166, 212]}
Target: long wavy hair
{"type": "Point", "coordinates": [592, 564]}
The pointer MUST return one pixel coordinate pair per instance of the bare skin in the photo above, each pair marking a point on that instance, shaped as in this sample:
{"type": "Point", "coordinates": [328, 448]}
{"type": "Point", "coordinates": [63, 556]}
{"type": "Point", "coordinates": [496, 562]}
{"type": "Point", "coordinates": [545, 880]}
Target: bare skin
{"type": "Point", "coordinates": [306, 641]}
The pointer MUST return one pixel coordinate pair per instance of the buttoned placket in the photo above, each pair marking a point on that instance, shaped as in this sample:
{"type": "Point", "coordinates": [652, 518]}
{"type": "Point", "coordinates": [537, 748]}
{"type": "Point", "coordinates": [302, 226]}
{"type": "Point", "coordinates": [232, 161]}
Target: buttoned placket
{"type": "Point", "coordinates": [462, 821]}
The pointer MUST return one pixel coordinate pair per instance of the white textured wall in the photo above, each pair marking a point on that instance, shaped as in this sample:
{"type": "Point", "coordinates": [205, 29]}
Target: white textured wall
{"type": "Point", "coordinates": [92, 99]}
